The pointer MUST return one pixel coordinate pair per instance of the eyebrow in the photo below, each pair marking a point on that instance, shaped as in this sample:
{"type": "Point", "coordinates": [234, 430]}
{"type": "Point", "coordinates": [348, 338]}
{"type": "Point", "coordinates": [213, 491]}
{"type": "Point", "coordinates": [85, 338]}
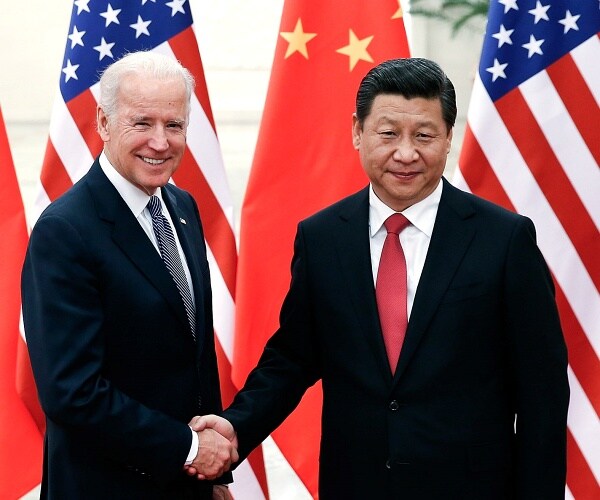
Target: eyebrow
{"type": "Point", "coordinates": [389, 120]}
{"type": "Point", "coordinates": [143, 118]}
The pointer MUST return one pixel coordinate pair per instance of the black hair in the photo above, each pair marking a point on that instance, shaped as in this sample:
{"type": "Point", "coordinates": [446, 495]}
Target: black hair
{"type": "Point", "coordinates": [409, 77]}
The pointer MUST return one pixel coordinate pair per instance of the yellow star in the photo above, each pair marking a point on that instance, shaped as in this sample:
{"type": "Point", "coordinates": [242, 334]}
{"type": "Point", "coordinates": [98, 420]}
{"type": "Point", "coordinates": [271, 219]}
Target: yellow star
{"type": "Point", "coordinates": [297, 40]}
{"type": "Point", "coordinates": [399, 14]}
{"type": "Point", "coordinates": [356, 49]}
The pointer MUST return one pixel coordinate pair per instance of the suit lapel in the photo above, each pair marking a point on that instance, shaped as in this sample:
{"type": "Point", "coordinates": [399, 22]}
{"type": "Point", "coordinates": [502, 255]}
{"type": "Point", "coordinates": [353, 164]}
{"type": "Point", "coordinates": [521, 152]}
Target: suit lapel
{"type": "Point", "coordinates": [452, 235]}
{"type": "Point", "coordinates": [352, 244]}
{"type": "Point", "coordinates": [132, 240]}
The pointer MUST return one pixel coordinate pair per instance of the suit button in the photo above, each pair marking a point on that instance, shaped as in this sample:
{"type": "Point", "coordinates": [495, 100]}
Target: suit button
{"type": "Point", "coordinates": [396, 464]}
{"type": "Point", "coordinates": [394, 405]}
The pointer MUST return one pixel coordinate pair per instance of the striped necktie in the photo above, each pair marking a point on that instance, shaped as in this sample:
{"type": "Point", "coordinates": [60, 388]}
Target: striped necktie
{"type": "Point", "coordinates": [170, 256]}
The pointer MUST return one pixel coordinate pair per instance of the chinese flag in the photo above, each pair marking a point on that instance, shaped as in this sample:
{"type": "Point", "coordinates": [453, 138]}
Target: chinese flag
{"type": "Point", "coordinates": [20, 439]}
{"type": "Point", "coordinates": [304, 161]}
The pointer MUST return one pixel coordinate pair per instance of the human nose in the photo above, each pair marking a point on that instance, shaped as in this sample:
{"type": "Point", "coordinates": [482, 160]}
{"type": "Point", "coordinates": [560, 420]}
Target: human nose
{"type": "Point", "coordinates": [405, 151]}
{"type": "Point", "coordinates": [158, 140]}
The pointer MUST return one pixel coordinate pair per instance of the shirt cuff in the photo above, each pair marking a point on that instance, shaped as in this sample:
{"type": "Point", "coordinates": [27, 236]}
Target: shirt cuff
{"type": "Point", "coordinates": [193, 448]}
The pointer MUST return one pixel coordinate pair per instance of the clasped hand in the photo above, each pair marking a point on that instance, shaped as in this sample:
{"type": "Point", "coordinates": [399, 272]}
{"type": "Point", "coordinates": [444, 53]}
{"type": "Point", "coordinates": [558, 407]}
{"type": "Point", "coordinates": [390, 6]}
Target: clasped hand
{"type": "Point", "coordinates": [217, 447]}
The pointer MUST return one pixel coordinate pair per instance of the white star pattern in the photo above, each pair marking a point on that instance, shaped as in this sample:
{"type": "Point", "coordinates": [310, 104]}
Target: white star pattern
{"type": "Point", "coordinates": [102, 31]}
{"type": "Point", "coordinates": [176, 6]}
{"type": "Point", "coordinates": [532, 38]}
{"type": "Point", "coordinates": [570, 22]}
{"type": "Point", "coordinates": [503, 36]}
{"type": "Point", "coordinates": [540, 12]}
{"type": "Point", "coordinates": [82, 5]}
{"type": "Point", "coordinates": [104, 49]}
{"type": "Point", "coordinates": [76, 37]}
{"type": "Point", "coordinates": [111, 15]}
{"type": "Point", "coordinates": [497, 70]}
{"type": "Point", "coordinates": [140, 27]}
{"type": "Point", "coordinates": [509, 4]}
{"type": "Point", "coordinates": [70, 70]}
{"type": "Point", "coordinates": [533, 46]}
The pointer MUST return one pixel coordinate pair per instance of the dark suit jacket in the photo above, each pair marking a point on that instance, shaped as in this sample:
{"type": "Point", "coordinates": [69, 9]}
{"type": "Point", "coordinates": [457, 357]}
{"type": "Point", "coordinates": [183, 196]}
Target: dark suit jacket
{"type": "Point", "coordinates": [117, 371]}
{"type": "Point", "coordinates": [483, 343]}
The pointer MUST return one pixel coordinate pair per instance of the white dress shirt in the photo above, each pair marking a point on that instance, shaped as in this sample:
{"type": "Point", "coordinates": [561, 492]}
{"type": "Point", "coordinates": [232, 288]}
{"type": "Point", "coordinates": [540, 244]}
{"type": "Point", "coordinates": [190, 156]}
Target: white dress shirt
{"type": "Point", "coordinates": [414, 239]}
{"type": "Point", "coordinates": [137, 201]}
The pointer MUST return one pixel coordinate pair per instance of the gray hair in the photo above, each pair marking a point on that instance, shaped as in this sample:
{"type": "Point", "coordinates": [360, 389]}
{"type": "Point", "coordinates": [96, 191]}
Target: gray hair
{"type": "Point", "coordinates": [146, 63]}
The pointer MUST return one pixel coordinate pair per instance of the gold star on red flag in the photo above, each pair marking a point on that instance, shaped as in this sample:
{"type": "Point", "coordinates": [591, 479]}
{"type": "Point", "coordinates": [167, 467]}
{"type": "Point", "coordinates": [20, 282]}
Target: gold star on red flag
{"type": "Point", "coordinates": [356, 49]}
{"type": "Point", "coordinates": [297, 40]}
{"type": "Point", "coordinates": [398, 14]}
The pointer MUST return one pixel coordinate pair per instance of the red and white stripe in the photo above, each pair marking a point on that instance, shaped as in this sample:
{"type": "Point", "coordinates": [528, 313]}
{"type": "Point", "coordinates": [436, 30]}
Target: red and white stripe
{"type": "Point", "coordinates": [537, 151]}
{"type": "Point", "coordinates": [74, 143]}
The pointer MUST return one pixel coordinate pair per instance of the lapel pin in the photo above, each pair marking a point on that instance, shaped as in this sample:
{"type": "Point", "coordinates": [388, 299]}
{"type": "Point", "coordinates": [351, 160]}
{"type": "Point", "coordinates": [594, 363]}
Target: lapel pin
{"type": "Point", "coordinates": [182, 220]}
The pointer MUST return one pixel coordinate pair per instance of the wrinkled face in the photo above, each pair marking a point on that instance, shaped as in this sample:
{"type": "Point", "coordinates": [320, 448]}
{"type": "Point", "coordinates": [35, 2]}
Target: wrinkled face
{"type": "Point", "coordinates": [145, 139]}
{"type": "Point", "coordinates": [403, 145]}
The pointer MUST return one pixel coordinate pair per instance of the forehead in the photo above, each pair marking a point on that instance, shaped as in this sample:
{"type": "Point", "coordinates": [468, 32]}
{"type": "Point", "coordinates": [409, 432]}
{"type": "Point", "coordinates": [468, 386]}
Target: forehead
{"type": "Point", "coordinates": [148, 91]}
{"type": "Point", "coordinates": [396, 106]}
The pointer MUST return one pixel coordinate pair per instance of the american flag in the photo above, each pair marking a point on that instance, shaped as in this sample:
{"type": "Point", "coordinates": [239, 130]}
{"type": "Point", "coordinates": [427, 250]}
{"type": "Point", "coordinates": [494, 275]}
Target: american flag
{"type": "Point", "coordinates": [100, 32]}
{"type": "Point", "coordinates": [532, 144]}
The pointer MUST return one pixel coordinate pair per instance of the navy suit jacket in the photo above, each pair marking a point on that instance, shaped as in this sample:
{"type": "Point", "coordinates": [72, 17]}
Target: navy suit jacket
{"type": "Point", "coordinates": [483, 344]}
{"type": "Point", "coordinates": [117, 371]}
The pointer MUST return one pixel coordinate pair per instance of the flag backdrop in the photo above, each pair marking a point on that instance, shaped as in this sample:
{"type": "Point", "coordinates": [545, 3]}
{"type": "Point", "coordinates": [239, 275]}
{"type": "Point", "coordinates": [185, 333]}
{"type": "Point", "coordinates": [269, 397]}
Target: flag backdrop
{"type": "Point", "coordinates": [100, 32]}
{"type": "Point", "coordinates": [304, 160]}
{"type": "Point", "coordinates": [532, 144]}
{"type": "Point", "coordinates": [20, 439]}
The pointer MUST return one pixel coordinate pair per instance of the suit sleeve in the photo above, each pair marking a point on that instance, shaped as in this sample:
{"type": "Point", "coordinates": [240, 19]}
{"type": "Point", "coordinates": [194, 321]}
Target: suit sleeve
{"type": "Point", "coordinates": [63, 316]}
{"type": "Point", "coordinates": [539, 367]}
{"type": "Point", "coordinates": [288, 366]}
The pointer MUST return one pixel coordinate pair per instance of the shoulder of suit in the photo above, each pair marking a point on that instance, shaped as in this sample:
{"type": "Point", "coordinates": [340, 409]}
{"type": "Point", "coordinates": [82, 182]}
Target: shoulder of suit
{"type": "Point", "coordinates": [341, 208]}
{"type": "Point", "coordinates": [457, 197]}
{"type": "Point", "coordinates": [71, 203]}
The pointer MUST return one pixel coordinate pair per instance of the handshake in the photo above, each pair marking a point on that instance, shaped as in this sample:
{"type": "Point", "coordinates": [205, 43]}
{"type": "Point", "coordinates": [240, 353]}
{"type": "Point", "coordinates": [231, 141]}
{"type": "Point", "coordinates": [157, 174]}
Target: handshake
{"type": "Point", "coordinates": [217, 447]}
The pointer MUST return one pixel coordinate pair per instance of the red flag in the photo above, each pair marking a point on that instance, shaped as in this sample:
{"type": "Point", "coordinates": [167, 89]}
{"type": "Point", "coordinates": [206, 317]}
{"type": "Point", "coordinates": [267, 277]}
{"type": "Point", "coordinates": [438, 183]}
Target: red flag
{"type": "Point", "coordinates": [20, 439]}
{"type": "Point", "coordinates": [98, 35]}
{"type": "Point", "coordinates": [532, 144]}
{"type": "Point", "coordinates": [304, 161]}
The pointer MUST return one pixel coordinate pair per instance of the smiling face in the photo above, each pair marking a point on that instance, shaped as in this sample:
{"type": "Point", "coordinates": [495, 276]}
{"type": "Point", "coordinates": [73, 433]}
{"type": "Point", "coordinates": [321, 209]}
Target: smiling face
{"type": "Point", "coordinates": [145, 139]}
{"type": "Point", "coordinates": [403, 145]}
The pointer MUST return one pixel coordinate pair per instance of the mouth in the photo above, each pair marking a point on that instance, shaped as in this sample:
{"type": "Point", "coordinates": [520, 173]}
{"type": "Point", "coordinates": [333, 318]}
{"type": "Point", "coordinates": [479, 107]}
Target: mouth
{"type": "Point", "coordinates": [404, 175]}
{"type": "Point", "coordinates": [152, 161]}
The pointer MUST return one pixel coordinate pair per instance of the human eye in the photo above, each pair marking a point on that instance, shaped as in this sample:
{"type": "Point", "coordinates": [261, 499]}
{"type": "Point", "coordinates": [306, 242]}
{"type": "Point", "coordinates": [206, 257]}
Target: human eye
{"type": "Point", "coordinates": [387, 133]}
{"type": "Point", "coordinates": [424, 136]}
{"type": "Point", "coordinates": [140, 123]}
{"type": "Point", "coordinates": [175, 125]}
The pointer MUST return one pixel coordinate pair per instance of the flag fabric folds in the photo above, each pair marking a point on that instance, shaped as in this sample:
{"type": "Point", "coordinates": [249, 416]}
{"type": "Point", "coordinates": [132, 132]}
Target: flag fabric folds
{"type": "Point", "coordinates": [532, 144]}
{"type": "Point", "coordinates": [20, 439]}
{"type": "Point", "coordinates": [304, 160]}
{"type": "Point", "coordinates": [100, 32]}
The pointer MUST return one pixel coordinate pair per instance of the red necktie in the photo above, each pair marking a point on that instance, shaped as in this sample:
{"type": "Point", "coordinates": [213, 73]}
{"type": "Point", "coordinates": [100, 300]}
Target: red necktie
{"type": "Point", "coordinates": [390, 289]}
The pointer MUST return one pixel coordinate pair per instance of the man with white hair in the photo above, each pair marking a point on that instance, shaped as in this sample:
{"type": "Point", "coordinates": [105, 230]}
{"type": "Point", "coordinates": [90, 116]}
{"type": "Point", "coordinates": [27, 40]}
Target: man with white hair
{"type": "Point", "coordinates": [117, 307]}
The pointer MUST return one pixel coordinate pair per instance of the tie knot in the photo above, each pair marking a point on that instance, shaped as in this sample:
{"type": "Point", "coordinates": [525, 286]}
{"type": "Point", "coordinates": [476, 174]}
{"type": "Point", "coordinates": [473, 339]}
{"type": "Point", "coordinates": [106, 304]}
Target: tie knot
{"type": "Point", "coordinates": [154, 206]}
{"type": "Point", "coordinates": [395, 223]}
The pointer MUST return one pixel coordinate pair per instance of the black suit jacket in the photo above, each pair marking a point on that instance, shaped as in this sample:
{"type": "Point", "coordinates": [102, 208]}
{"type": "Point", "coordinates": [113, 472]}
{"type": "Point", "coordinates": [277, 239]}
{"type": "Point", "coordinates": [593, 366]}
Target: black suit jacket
{"type": "Point", "coordinates": [483, 344]}
{"type": "Point", "coordinates": [117, 371]}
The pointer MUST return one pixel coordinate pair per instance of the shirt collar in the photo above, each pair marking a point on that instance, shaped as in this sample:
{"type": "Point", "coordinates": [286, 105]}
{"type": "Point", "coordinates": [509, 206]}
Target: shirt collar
{"type": "Point", "coordinates": [134, 197]}
{"type": "Point", "coordinates": [421, 215]}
